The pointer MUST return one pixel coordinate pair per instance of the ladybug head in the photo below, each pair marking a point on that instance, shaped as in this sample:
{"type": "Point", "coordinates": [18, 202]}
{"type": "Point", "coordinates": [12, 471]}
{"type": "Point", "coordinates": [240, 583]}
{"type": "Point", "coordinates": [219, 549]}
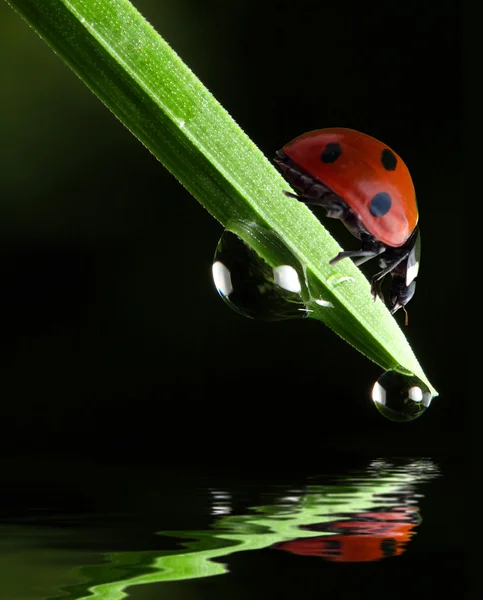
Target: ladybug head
{"type": "Point", "coordinates": [403, 278]}
{"type": "Point", "coordinates": [400, 294]}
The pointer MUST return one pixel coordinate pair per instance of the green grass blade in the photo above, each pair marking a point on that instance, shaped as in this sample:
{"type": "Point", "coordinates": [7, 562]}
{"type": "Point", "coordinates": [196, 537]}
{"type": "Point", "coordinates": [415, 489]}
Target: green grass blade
{"type": "Point", "coordinates": [146, 85]}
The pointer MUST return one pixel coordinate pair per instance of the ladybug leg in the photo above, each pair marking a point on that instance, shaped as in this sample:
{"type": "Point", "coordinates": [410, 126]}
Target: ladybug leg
{"type": "Point", "coordinates": [369, 246]}
{"type": "Point", "coordinates": [362, 255]}
{"type": "Point", "coordinates": [321, 197]}
{"type": "Point", "coordinates": [376, 288]}
{"type": "Point", "coordinates": [378, 279]}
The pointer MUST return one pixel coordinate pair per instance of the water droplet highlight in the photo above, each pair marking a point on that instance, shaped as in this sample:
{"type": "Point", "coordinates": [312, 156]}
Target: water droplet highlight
{"type": "Point", "coordinates": [401, 397]}
{"type": "Point", "coordinates": [287, 278]}
{"type": "Point", "coordinates": [252, 287]}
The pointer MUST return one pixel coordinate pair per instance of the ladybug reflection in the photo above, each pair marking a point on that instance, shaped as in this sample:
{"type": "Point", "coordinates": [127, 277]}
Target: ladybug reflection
{"type": "Point", "coordinates": [366, 537]}
{"type": "Point", "coordinates": [366, 185]}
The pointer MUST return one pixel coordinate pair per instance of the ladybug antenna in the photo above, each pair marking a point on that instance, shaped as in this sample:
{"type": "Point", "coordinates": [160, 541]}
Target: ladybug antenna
{"type": "Point", "coordinates": [406, 318]}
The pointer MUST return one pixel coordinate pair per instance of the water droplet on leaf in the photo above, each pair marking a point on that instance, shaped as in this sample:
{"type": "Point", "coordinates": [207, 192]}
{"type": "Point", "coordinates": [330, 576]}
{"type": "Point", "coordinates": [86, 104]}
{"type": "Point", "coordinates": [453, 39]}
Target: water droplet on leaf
{"type": "Point", "coordinates": [401, 397]}
{"type": "Point", "coordinates": [252, 287]}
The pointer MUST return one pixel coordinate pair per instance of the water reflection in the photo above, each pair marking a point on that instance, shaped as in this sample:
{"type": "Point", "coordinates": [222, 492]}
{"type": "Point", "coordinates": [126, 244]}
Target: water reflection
{"type": "Point", "coordinates": [383, 531]}
{"type": "Point", "coordinates": [363, 537]}
{"type": "Point", "coordinates": [357, 517]}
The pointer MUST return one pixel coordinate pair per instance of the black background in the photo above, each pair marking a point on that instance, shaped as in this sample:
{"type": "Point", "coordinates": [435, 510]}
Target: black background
{"type": "Point", "coordinates": [114, 341]}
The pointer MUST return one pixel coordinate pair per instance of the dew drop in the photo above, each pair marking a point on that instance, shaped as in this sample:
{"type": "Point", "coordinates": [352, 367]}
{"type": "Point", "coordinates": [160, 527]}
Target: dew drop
{"type": "Point", "coordinates": [252, 287]}
{"type": "Point", "coordinates": [401, 397]}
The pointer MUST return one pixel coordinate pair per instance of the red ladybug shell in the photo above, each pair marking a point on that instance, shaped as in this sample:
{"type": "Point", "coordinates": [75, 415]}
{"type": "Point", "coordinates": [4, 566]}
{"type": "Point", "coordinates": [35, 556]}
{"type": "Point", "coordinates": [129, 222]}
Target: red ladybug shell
{"type": "Point", "coordinates": [370, 177]}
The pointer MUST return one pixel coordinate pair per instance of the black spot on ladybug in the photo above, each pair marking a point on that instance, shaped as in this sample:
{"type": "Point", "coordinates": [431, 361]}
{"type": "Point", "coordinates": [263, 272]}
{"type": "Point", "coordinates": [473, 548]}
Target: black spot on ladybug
{"type": "Point", "coordinates": [331, 152]}
{"type": "Point", "coordinates": [380, 204]}
{"type": "Point", "coordinates": [333, 547]}
{"type": "Point", "coordinates": [388, 547]}
{"type": "Point", "coordinates": [388, 159]}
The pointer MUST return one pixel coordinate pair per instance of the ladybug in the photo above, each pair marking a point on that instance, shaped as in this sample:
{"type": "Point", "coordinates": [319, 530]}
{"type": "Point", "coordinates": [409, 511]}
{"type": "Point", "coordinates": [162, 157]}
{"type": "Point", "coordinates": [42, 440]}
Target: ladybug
{"type": "Point", "coordinates": [366, 185]}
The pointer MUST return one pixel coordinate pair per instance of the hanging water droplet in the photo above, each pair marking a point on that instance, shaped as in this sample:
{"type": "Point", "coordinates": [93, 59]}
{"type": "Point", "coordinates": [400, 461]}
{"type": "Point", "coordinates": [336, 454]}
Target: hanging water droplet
{"type": "Point", "coordinates": [401, 397]}
{"type": "Point", "coordinates": [251, 286]}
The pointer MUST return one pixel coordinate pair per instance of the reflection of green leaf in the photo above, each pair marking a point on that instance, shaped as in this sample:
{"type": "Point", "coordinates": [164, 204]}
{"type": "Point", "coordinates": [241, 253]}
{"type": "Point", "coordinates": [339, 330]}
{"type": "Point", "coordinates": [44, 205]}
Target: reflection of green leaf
{"type": "Point", "coordinates": [28, 573]}
{"type": "Point", "coordinates": [235, 533]}
{"type": "Point", "coordinates": [147, 86]}
{"type": "Point", "coordinates": [40, 562]}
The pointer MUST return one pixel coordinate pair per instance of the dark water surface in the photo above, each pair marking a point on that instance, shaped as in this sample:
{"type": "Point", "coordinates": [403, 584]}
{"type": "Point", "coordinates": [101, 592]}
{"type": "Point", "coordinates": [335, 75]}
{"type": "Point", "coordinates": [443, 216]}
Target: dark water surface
{"type": "Point", "coordinates": [384, 528]}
